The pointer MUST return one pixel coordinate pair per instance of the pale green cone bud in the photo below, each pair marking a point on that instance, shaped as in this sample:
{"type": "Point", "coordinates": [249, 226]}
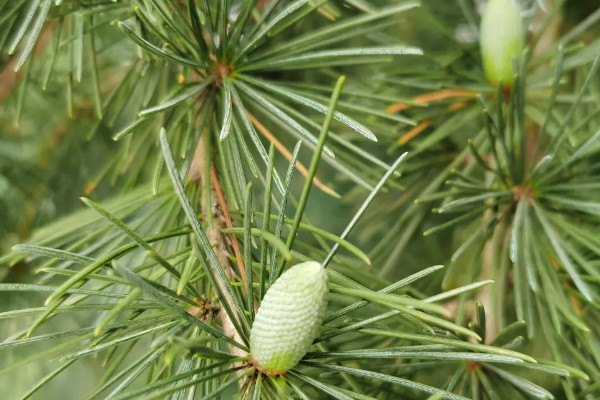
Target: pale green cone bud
{"type": "Point", "coordinates": [289, 317]}
{"type": "Point", "coordinates": [501, 39]}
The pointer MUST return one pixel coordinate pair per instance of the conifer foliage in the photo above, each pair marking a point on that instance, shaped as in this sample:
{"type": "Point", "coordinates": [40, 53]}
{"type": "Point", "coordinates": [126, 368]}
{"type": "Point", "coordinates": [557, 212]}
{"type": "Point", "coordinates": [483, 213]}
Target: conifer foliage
{"type": "Point", "coordinates": [303, 199]}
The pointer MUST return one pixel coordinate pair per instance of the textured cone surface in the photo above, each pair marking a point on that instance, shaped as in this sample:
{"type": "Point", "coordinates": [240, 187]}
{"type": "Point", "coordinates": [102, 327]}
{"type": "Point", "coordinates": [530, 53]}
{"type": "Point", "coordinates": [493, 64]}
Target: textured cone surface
{"type": "Point", "coordinates": [289, 317]}
{"type": "Point", "coordinates": [501, 39]}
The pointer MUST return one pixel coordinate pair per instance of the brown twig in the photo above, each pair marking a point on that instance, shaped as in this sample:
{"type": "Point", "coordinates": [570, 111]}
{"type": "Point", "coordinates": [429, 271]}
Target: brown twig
{"type": "Point", "coordinates": [427, 98]}
{"type": "Point", "coordinates": [410, 135]}
{"type": "Point", "coordinates": [9, 78]}
{"type": "Point", "coordinates": [217, 239]}
{"type": "Point", "coordinates": [288, 155]}
{"type": "Point", "coordinates": [228, 223]}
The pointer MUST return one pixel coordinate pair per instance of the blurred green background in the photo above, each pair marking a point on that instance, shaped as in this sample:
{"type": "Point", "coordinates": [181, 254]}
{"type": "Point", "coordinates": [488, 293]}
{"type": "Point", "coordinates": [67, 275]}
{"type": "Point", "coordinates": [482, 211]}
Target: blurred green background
{"type": "Point", "coordinates": [48, 159]}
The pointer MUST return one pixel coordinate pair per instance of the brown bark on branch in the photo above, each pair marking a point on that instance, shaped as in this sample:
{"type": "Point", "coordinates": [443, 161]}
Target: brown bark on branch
{"type": "Point", "coordinates": [218, 240]}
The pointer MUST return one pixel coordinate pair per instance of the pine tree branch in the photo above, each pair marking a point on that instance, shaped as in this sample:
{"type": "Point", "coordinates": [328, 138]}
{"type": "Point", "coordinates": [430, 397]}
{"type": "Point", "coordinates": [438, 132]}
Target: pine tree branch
{"type": "Point", "coordinates": [217, 239]}
{"type": "Point", "coordinates": [226, 218]}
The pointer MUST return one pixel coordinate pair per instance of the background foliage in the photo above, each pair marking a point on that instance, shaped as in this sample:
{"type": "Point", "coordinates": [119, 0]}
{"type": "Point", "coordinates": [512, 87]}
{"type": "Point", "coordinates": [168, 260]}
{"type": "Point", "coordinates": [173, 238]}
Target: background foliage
{"type": "Point", "coordinates": [183, 122]}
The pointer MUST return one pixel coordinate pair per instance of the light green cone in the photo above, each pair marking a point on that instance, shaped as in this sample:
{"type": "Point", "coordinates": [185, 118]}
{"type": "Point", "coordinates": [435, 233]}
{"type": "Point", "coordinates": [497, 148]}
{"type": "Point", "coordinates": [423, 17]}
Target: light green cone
{"type": "Point", "coordinates": [289, 317]}
{"type": "Point", "coordinates": [501, 39]}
